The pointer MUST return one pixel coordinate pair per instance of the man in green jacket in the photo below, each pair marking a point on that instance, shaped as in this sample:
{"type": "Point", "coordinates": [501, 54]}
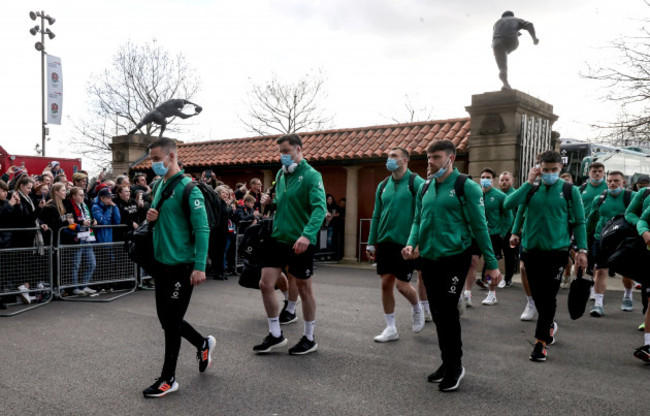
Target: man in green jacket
{"type": "Point", "coordinates": [510, 254]}
{"type": "Point", "coordinates": [546, 239]}
{"type": "Point", "coordinates": [602, 210]}
{"type": "Point", "coordinates": [180, 262]}
{"type": "Point", "coordinates": [443, 227]}
{"type": "Point", "coordinates": [594, 186]}
{"type": "Point", "coordinates": [643, 227]}
{"type": "Point", "coordinates": [300, 210]}
{"type": "Point", "coordinates": [391, 223]}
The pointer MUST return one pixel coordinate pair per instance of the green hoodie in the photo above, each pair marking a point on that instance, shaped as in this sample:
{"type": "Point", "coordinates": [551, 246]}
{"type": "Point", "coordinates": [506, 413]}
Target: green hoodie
{"type": "Point", "coordinates": [171, 236]}
{"type": "Point", "coordinates": [499, 219]}
{"type": "Point", "coordinates": [612, 206]}
{"type": "Point", "coordinates": [394, 209]}
{"type": "Point", "coordinates": [546, 221]}
{"type": "Point", "coordinates": [642, 226]}
{"type": "Point", "coordinates": [589, 193]}
{"type": "Point", "coordinates": [441, 228]}
{"type": "Point", "coordinates": [637, 206]}
{"type": "Point", "coordinates": [300, 204]}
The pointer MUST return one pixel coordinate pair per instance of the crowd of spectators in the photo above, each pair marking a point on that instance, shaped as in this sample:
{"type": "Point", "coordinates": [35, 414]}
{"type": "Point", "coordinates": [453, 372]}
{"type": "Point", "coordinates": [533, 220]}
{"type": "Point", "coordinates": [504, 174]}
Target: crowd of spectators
{"type": "Point", "coordinates": [72, 207]}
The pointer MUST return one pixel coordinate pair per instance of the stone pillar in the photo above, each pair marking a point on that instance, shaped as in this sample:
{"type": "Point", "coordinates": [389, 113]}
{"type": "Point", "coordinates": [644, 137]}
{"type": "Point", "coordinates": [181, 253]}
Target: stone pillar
{"type": "Point", "coordinates": [127, 150]}
{"type": "Point", "coordinates": [508, 129]}
{"type": "Point", "coordinates": [351, 214]}
{"type": "Point", "coordinates": [268, 178]}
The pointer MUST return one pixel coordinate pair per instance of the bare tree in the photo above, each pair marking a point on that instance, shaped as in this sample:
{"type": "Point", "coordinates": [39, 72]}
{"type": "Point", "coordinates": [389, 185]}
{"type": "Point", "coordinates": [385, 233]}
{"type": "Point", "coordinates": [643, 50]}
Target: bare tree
{"type": "Point", "coordinates": [415, 111]}
{"type": "Point", "coordinates": [627, 83]}
{"type": "Point", "coordinates": [140, 78]}
{"type": "Point", "coordinates": [277, 107]}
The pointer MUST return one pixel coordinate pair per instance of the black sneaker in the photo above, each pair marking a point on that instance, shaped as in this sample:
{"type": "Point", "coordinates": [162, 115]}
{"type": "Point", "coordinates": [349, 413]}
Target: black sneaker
{"type": "Point", "coordinates": [270, 343]}
{"type": "Point", "coordinates": [538, 353]}
{"type": "Point", "coordinates": [508, 283]}
{"type": "Point", "coordinates": [643, 353]}
{"type": "Point", "coordinates": [304, 346]}
{"type": "Point", "coordinates": [204, 355]}
{"type": "Point", "coordinates": [481, 283]}
{"type": "Point", "coordinates": [437, 376]}
{"type": "Point", "coordinates": [452, 379]}
{"type": "Point", "coordinates": [160, 388]}
{"type": "Point", "coordinates": [287, 317]}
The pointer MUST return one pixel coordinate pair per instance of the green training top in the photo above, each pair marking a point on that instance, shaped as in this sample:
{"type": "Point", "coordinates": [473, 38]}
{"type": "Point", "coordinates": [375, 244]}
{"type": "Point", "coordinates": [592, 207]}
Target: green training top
{"type": "Point", "coordinates": [612, 206]}
{"type": "Point", "coordinates": [499, 219]}
{"type": "Point", "coordinates": [172, 243]}
{"type": "Point", "coordinates": [442, 229]}
{"type": "Point", "coordinates": [590, 193]}
{"type": "Point", "coordinates": [300, 204]}
{"type": "Point", "coordinates": [546, 222]}
{"type": "Point", "coordinates": [642, 226]}
{"type": "Point", "coordinates": [392, 217]}
{"type": "Point", "coordinates": [637, 206]}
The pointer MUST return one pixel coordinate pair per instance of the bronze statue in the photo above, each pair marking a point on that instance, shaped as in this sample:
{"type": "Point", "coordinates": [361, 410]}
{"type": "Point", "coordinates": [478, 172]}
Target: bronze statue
{"type": "Point", "coordinates": [170, 108]}
{"type": "Point", "coordinates": [504, 41]}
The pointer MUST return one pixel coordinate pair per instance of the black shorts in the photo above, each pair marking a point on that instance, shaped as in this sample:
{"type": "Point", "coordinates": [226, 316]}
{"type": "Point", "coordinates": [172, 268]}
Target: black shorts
{"type": "Point", "coordinates": [390, 261]}
{"type": "Point", "coordinates": [281, 255]}
{"type": "Point", "coordinates": [600, 262]}
{"type": "Point", "coordinates": [475, 249]}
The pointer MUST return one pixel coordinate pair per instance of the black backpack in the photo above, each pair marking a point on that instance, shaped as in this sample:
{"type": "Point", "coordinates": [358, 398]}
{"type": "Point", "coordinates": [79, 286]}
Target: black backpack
{"type": "Point", "coordinates": [459, 189]}
{"type": "Point", "coordinates": [251, 247]}
{"type": "Point", "coordinates": [627, 197]}
{"type": "Point", "coordinates": [414, 191]}
{"type": "Point", "coordinates": [212, 204]}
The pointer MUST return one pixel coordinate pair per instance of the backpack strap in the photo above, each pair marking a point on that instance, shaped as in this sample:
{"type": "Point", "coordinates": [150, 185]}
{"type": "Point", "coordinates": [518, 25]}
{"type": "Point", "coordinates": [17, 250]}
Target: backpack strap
{"type": "Point", "coordinates": [425, 187]}
{"type": "Point", "coordinates": [567, 191]}
{"type": "Point", "coordinates": [601, 199]}
{"type": "Point", "coordinates": [459, 190]}
{"type": "Point", "coordinates": [186, 206]}
{"type": "Point", "coordinates": [412, 184]}
{"type": "Point", "coordinates": [583, 186]}
{"type": "Point", "coordinates": [627, 197]}
{"type": "Point", "coordinates": [646, 192]}
{"type": "Point", "coordinates": [382, 185]}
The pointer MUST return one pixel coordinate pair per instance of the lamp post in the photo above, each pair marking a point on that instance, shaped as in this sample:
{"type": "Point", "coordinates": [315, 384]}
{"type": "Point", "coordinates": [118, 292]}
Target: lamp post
{"type": "Point", "coordinates": [40, 46]}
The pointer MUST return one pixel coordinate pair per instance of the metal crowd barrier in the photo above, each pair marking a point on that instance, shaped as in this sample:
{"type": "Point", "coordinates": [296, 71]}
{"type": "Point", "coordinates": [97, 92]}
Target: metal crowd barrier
{"type": "Point", "coordinates": [26, 272]}
{"type": "Point", "coordinates": [363, 231]}
{"type": "Point", "coordinates": [95, 265]}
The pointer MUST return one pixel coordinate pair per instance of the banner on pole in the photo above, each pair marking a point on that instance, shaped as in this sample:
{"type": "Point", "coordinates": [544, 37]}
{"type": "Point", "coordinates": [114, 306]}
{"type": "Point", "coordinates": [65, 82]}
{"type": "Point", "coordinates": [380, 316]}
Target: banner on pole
{"type": "Point", "coordinates": [54, 90]}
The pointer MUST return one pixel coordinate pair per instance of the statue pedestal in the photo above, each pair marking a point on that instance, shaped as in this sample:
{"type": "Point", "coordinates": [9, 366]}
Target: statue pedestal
{"type": "Point", "coordinates": [509, 128]}
{"type": "Point", "coordinates": [127, 150]}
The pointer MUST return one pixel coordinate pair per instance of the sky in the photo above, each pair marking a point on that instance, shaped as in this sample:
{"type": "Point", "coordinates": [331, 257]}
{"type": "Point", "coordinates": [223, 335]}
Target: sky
{"type": "Point", "coordinates": [373, 54]}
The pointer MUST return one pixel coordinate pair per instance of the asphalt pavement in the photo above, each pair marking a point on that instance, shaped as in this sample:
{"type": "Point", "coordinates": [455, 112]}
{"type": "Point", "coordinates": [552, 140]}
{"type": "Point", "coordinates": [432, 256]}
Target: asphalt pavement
{"type": "Point", "coordinates": [83, 358]}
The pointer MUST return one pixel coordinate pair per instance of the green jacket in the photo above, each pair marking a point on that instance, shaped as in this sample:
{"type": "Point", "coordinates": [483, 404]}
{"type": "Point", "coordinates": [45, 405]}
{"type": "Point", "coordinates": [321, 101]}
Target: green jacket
{"type": "Point", "coordinates": [442, 229]}
{"type": "Point", "coordinates": [300, 204]}
{"type": "Point", "coordinates": [643, 225]}
{"type": "Point", "coordinates": [612, 206]}
{"type": "Point", "coordinates": [392, 217]}
{"type": "Point", "coordinates": [546, 222]}
{"type": "Point", "coordinates": [637, 206]}
{"type": "Point", "coordinates": [171, 236]}
{"type": "Point", "coordinates": [590, 193]}
{"type": "Point", "coordinates": [499, 219]}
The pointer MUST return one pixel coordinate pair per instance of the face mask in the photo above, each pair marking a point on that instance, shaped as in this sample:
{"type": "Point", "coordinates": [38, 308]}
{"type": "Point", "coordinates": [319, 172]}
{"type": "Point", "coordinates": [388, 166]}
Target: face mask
{"type": "Point", "coordinates": [441, 171]}
{"type": "Point", "coordinates": [391, 165]}
{"type": "Point", "coordinates": [616, 191]}
{"type": "Point", "coordinates": [550, 178]}
{"type": "Point", "coordinates": [598, 181]}
{"type": "Point", "coordinates": [286, 160]}
{"type": "Point", "coordinates": [159, 168]}
{"type": "Point", "coordinates": [486, 183]}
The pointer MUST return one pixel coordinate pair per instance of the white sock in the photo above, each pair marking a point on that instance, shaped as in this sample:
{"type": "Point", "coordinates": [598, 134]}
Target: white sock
{"type": "Point", "coordinates": [309, 330]}
{"type": "Point", "coordinates": [627, 293]}
{"type": "Point", "coordinates": [467, 293]}
{"type": "Point", "coordinates": [390, 320]}
{"type": "Point", "coordinates": [274, 326]}
{"type": "Point", "coordinates": [417, 308]}
{"type": "Point", "coordinates": [492, 292]}
{"type": "Point", "coordinates": [425, 305]}
{"type": "Point", "coordinates": [286, 295]}
{"type": "Point", "coordinates": [646, 337]}
{"type": "Point", "coordinates": [291, 306]}
{"type": "Point", "coordinates": [599, 299]}
{"type": "Point", "coordinates": [530, 300]}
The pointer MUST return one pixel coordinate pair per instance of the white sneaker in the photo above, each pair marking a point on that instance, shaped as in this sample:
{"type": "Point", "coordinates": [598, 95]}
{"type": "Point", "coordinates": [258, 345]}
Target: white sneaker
{"type": "Point", "coordinates": [592, 294]}
{"type": "Point", "coordinates": [89, 291]}
{"type": "Point", "coordinates": [79, 292]}
{"type": "Point", "coordinates": [24, 294]}
{"type": "Point", "coordinates": [566, 281]}
{"type": "Point", "coordinates": [388, 334]}
{"type": "Point", "coordinates": [502, 284]}
{"type": "Point", "coordinates": [418, 321]}
{"type": "Point", "coordinates": [467, 297]}
{"type": "Point", "coordinates": [529, 312]}
{"type": "Point", "coordinates": [490, 299]}
{"type": "Point", "coordinates": [427, 315]}
{"type": "Point", "coordinates": [462, 307]}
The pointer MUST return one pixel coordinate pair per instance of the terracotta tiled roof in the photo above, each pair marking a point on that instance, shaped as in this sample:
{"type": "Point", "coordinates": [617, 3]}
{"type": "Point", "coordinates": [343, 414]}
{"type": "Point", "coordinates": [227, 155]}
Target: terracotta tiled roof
{"type": "Point", "coordinates": [320, 146]}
